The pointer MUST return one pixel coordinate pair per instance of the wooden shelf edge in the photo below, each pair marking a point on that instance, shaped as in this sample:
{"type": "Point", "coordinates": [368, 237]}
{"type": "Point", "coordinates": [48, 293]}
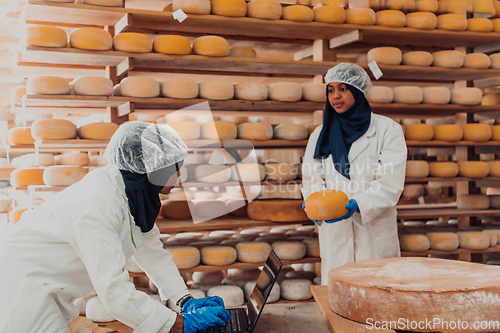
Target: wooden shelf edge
{"type": "Point", "coordinates": [495, 248]}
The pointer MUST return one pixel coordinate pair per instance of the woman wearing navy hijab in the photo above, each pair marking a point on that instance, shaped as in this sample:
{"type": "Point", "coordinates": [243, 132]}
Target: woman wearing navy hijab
{"type": "Point", "coordinates": [363, 155]}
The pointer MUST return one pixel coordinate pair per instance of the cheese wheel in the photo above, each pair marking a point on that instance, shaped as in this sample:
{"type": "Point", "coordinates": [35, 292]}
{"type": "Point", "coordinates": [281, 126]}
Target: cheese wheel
{"type": "Point", "coordinates": [27, 176]}
{"type": "Point", "coordinates": [97, 131]}
{"type": "Point", "coordinates": [47, 85]}
{"type": "Point", "coordinates": [298, 13]}
{"type": "Point", "coordinates": [45, 36]}
{"type": "Point", "coordinates": [466, 96]}
{"type": "Point", "coordinates": [413, 191]}
{"type": "Point", "coordinates": [213, 46]}
{"type": "Point", "coordinates": [281, 171]}
{"type": "Point", "coordinates": [29, 160]}
{"type": "Point", "coordinates": [138, 86]}
{"type": "Point", "coordinates": [380, 94]}
{"type": "Point", "coordinates": [185, 257]}
{"type": "Point", "coordinates": [231, 295]}
{"type": "Point", "coordinates": [175, 210]}
{"type": "Point", "coordinates": [276, 210]}
{"type": "Point", "coordinates": [218, 255]}
{"type": "Point", "coordinates": [132, 42]}
{"type": "Point", "coordinates": [484, 7]}
{"type": "Point", "coordinates": [312, 247]}
{"type": "Point", "coordinates": [73, 158]}
{"type": "Point", "coordinates": [253, 252]}
{"type": "Point", "coordinates": [212, 173]}
{"type": "Point", "coordinates": [473, 169]}
{"type": "Point", "coordinates": [477, 60]}
{"type": "Point", "coordinates": [314, 92]}
{"type": "Point", "coordinates": [492, 236]}
{"type": "Point", "coordinates": [417, 58]}
{"type": "Point", "coordinates": [477, 132]}
{"type": "Point", "coordinates": [341, 3]}
{"type": "Point", "coordinates": [417, 169]}
{"type": "Point", "coordinates": [494, 167]}
{"type": "Point", "coordinates": [274, 294]}
{"type": "Point", "coordinates": [235, 8]}
{"type": "Point", "coordinates": [408, 95]}
{"type": "Point", "coordinates": [493, 233]}
{"type": "Point", "coordinates": [172, 44]}
{"type": "Point", "coordinates": [386, 55]}
{"type": "Point", "coordinates": [180, 88]}
{"type": "Point", "coordinates": [219, 130]}
{"type": "Point", "coordinates": [421, 20]}
{"type": "Point", "coordinates": [391, 18]}
{"type": "Point", "coordinates": [20, 136]}
{"type": "Point", "coordinates": [290, 132]}
{"type": "Point", "coordinates": [448, 59]}
{"type": "Point", "coordinates": [264, 9]}
{"type": "Point", "coordinates": [88, 38]}
{"type": "Point", "coordinates": [329, 14]}
{"type": "Point", "coordinates": [490, 99]}
{"type": "Point", "coordinates": [285, 91]}
{"type": "Point", "coordinates": [495, 60]}
{"type": "Point", "coordinates": [192, 6]}
{"type": "Point", "coordinates": [216, 90]}
{"type": "Point", "coordinates": [443, 169]}
{"type": "Point", "coordinates": [480, 24]}
{"type": "Point", "coordinates": [209, 208]}
{"type": "Point", "coordinates": [473, 201]}
{"type": "Point", "coordinates": [97, 312]}
{"type": "Point", "coordinates": [414, 243]}
{"type": "Point", "coordinates": [242, 51]}
{"type": "Point", "coordinates": [426, 5]}
{"type": "Point", "coordinates": [252, 91]}
{"type": "Point", "coordinates": [92, 86]}
{"type": "Point", "coordinates": [187, 130]}
{"type": "Point", "coordinates": [436, 95]}
{"type": "Point", "coordinates": [53, 129]}
{"type": "Point", "coordinates": [453, 22]}
{"type": "Point", "coordinates": [443, 241]}
{"type": "Point", "coordinates": [107, 3]}
{"type": "Point", "coordinates": [296, 289]}
{"type": "Point", "coordinates": [248, 172]}
{"type": "Point", "coordinates": [362, 16]}
{"type": "Point", "coordinates": [326, 205]}
{"type": "Point", "coordinates": [214, 277]}
{"type": "Point", "coordinates": [63, 175]}
{"type": "Point", "coordinates": [474, 240]}
{"type": "Point", "coordinates": [448, 132]}
{"type": "Point", "coordinates": [496, 24]}
{"type": "Point", "coordinates": [255, 131]}
{"type": "Point", "coordinates": [289, 250]}
{"type": "Point", "coordinates": [495, 129]}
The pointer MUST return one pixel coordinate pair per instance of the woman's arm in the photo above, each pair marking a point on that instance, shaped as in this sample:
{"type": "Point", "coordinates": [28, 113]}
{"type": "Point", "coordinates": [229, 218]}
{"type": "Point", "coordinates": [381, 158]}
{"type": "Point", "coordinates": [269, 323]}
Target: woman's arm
{"type": "Point", "coordinates": [313, 177]}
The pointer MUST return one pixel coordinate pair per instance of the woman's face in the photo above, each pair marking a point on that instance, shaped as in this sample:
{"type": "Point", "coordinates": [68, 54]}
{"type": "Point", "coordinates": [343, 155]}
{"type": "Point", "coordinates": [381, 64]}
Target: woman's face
{"type": "Point", "coordinates": [340, 98]}
{"type": "Point", "coordinates": [171, 183]}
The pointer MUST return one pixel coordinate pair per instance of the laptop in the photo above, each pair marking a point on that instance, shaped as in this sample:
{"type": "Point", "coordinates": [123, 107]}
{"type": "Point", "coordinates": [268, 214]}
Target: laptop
{"type": "Point", "coordinates": [243, 320]}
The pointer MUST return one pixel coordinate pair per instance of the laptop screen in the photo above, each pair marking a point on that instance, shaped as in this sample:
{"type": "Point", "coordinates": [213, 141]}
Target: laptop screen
{"type": "Point", "coordinates": [262, 289]}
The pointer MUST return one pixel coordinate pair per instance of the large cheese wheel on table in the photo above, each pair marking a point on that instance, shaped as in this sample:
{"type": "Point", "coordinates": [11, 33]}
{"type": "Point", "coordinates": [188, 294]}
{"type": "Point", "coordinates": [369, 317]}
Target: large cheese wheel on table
{"type": "Point", "coordinates": [443, 169]}
{"type": "Point", "coordinates": [298, 13]}
{"type": "Point", "coordinates": [172, 44]}
{"type": "Point", "coordinates": [391, 18]}
{"type": "Point", "coordinates": [97, 131]}
{"type": "Point", "coordinates": [473, 169]}
{"type": "Point", "coordinates": [454, 22]}
{"type": "Point", "coordinates": [219, 130]}
{"type": "Point", "coordinates": [326, 205]}
{"type": "Point", "coordinates": [180, 88]}
{"type": "Point", "coordinates": [252, 91]}
{"type": "Point", "coordinates": [420, 132]}
{"type": "Point", "coordinates": [253, 252]}
{"type": "Point", "coordinates": [47, 85]}
{"type": "Point", "coordinates": [63, 175]}
{"type": "Point", "coordinates": [474, 240]}
{"type": "Point", "coordinates": [290, 132]}
{"type": "Point", "coordinates": [92, 86]}
{"type": "Point", "coordinates": [477, 132]}
{"type": "Point", "coordinates": [414, 243]}
{"type": "Point", "coordinates": [363, 16]}
{"type": "Point", "coordinates": [133, 42]}
{"type": "Point", "coordinates": [234, 8]}
{"type": "Point", "coordinates": [448, 132]}
{"type": "Point", "coordinates": [448, 59]}
{"type": "Point", "coordinates": [218, 255]}
{"type": "Point", "coordinates": [473, 201]}
{"type": "Point", "coordinates": [417, 58]}
{"type": "Point", "coordinates": [137, 86]}
{"type": "Point", "coordinates": [477, 60]}
{"type": "Point", "coordinates": [421, 20]}
{"type": "Point", "coordinates": [480, 24]}
{"type": "Point", "coordinates": [380, 94]}
{"type": "Point", "coordinates": [213, 46]}
{"type": "Point", "coordinates": [436, 95]}
{"type": "Point", "coordinates": [88, 38]}
{"type": "Point", "coordinates": [329, 14]}
{"type": "Point", "coordinates": [216, 90]}
{"type": "Point", "coordinates": [264, 9]}
{"type": "Point", "coordinates": [27, 176]}
{"type": "Point", "coordinates": [45, 36]}
{"type": "Point", "coordinates": [417, 169]}
{"type": "Point", "coordinates": [386, 55]}
{"type": "Point", "coordinates": [408, 94]}
{"type": "Point", "coordinates": [255, 131]}
{"type": "Point", "coordinates": [185, 257]}
{"type": "Point", "coordinates": [285, 91]}
{"type": "Point", "coordinates": [192, 6]}
{"type": "Point", "coordinates": [53, 129]}
{"type": "Point", "coordinates": [277, 210]}
{"type": "Point", "coordinates": [20, 136]}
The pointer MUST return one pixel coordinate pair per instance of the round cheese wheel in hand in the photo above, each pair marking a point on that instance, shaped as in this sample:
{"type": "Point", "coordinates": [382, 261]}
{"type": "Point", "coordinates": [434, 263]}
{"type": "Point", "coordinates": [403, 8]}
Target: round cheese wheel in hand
{"type": "Point", "coordinates": [216, 90]}
{"type": "Point", "coordinates": [88, 38]}
{"type": "Point", "coordinates": [255, 131]}
{"type": "Point", "coordinates": [326, 205]}
{"type": "Point", "coordinates": [436, 95]}
{"type": "Point", "coordinates": [136, 86]}
{"type": "Point", "coordinates": [53, 129]}
{"type": "Point", "coordinates": [477, 132]}
{"type": "Point", "coordinates": [264, 9]}
{"type": "Point", "coordinates": [45, 36]}
{"type": "Point", "coordinates": [448, 59]}
{"type": "Point", "coordinates": [285, 91]}
{"type": "Point", "coordinates": [172, 44]}
{"type": "Point", "coordinates": [97, 131]}
{"type": "Point", "coordinates": [132, 42]}
{"type": "Point", "coordinates": [47, 85]}
{"type": "Point", "coordinates": [290, 132]}
{"type": "Point", "coordinates": [443, 169]}
{"type": "Point", "coordinates": [329, 14]}
{"type": "Point", "coordinates": [234, 8]}
{"type": "Point", "coordinates": [414, 243]}
{"type": "Point", "coordinates": [380, 94]}
{"type": "Point", "coordinates": [421, 20]}
{"type": "Point", "coordinates": [213, 46]}
{"type": "Point", "coordinates": [92, 86]}
{"type": "Point", "coordinates": [63, 175]}
{"type": "Point", "coordinates": [386, 55]}
{"type": "Point", "coordinates": [252, 91]}
{"type": "Point", "coordinates": [192, 6]}
{"type": "Point", "coordinates": [180, 88]}
{"type": "Point", "coordinates": [420, 132]}
{"type": "Point", "coordinates": [473, 169]}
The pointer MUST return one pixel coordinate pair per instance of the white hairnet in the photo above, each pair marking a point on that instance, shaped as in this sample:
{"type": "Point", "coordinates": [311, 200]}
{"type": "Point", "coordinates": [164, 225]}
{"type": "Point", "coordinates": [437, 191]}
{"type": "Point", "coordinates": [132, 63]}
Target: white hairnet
{"type": "Point", "coordinates": [351, 74]}
{"type": "Point", "coordinates": [142, 147]}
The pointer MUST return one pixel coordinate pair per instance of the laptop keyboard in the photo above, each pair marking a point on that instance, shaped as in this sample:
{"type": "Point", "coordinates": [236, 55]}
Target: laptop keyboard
{"type": "Point", "coordinates": [233, 325]}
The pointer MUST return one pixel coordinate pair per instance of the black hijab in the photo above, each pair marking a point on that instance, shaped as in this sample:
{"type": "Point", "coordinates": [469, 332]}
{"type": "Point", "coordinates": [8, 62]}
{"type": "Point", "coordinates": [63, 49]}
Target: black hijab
{"type": "Point", "coordinates": [143, 193]}
{"type": "Point", "coordinates": [340, 130]}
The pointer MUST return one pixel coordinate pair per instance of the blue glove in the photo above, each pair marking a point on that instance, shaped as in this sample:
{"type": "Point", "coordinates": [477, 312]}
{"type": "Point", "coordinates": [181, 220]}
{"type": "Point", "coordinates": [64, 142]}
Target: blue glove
{"type": "Point", "coordinates": [203, 318]}
{"type": "Point", "coordinates": [198, 303]}
{"type": "Point", "coordinates": [352, 206]}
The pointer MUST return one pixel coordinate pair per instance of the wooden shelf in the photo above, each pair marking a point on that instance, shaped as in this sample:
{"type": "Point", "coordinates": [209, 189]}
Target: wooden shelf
{"type": "Point", "coordinates": [71, 144]}
{"type": "Point", "coordinates": [438, 143]}
{"type": "Point", "coordinates": [419, 213]}
{"type": "Point", "coordinates": [449, 179]}
{"type": "Point", "coordinates": [495, 248]}
{"type": "Point", "coordinates": [235, 183]}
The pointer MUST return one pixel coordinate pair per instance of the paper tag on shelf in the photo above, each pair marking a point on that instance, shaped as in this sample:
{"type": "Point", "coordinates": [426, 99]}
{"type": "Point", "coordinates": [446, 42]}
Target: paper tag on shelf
{"type": "Point", "coordinates": [377, 73]}
{"type": "Point", "coordinates": [179, 15]}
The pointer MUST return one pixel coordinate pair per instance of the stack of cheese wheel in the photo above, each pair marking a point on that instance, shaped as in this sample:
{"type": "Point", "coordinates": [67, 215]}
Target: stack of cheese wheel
{"type": "Point", "coordinates": [326, 205]}
{"type": "Point", "coordinates": [172, 44]}
{"type": "Point", "coordinates": [180, 88]}
{"type": "Point", "coordinates": [477, 132]}
{"type": "Point", "coordinates": [329, 14]}
{"type": "Point", "coordinates": [362, 16]}
{"type": "Point", "coordinates": [133, 42]}
{"type": "Point", "coordinates": [87, 38]}
{"type": "Point", "coordinates": [27, 176]}
{"type": "Point", "coordinates": [264, 9]}
{"type": "Point", "coordinates": [63, 175]}
{"type": "Point", "coordinates": [466, 96]}
{"type": "Point", "coordinates": [138, 86]}
{"type": "Point", "coordinates": [414, 242]}
{"type": "Point", "coordinates": [290, 132]}
{"type": "Point", "coordinates": [386, 55]}
{"type": "Point", "coordinates": [443, 169]}
{"type": "Point", "coordinates": [213, 46]}
{"type": "Point", "coordinates": [281, 171]}
{"type": "Point", "coordinates": [45, 36]}
{"type": "Point", "coordinates": [473, 201]}
{"type": "Point", "coordinates": [276, 210]}
{"type": "Point", "coordinates": [53, 129]}
{"type": "Point", "coordinates": [20, 136]}
{"type": "Point", "coordinates": [417, 169]}
{"type": "Point", "coordinates": [255, 131]}
{"type": "Point", "coordinates": [253, 252]}
{"type": "Point", "coordinates": [97, 131]}
{"type": "Point", "coordinates": [475, 241]}
{"type": "Point", "coordinates": [185, 257]}
{"type": "Point", "coordinates": [187, 130]}
{"type": "Point", "coordinates": [47, 85]}
{"type": "Point", "coordinates": [420, 132]}
{"type": "Point", "coordinates": [421, 20]}
{"type": "Point", "coordinates": [219, 130]}
{"type": "Point", "coordinates": [380, 94]}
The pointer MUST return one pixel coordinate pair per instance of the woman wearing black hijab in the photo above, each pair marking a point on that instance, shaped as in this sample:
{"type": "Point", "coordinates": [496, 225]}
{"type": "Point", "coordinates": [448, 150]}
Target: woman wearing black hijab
{"type": "Point", "coordinates": [363, 155]}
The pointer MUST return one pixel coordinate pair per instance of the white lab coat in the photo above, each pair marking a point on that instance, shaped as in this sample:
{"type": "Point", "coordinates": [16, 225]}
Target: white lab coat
{"type": "Point", "coordinates": [78, 241]}
{"type": "Point", "coordinates": [378, 167]}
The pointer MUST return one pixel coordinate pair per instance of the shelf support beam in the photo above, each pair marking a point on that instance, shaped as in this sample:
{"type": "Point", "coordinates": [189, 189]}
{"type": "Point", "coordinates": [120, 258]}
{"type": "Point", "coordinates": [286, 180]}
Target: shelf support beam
{"type": "Point", "coordinates": [114, 117]}
{"type": "Point", "coordinates": [123, 24]}
{"type": "Point", "coordinates": [125, 109]}
{"type": "Point", "coordinates": [123, 68]}
{"type": "Point", "coordinates": [348, 38]}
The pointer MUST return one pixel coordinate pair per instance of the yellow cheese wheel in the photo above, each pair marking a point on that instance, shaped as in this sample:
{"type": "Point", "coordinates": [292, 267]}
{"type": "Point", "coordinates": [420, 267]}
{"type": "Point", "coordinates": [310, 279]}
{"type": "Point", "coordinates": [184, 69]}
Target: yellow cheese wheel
{"type": "Point", "coordinates": [496, 24]}
{"type": "Point", "coordinates": [443, 169]}
{"type": "Point", "coordinates": [281, 171]}
{"type": "Point", "coordinates": [421, 20]}
{"type": "Point", "coordinates": [219, 130]}
{"type": "Point", "coordinates": [362, 16]}
{"type": "Point", "coordinates": [326, 205]}
{"type": "Point", "coordinates": [454, 22]}
{"type": "Point", "coordinates": [252, 91]}
{"type": "Point", "coordinates": [139, 86]}
{"type": "Point", "coordinates": [53, 129]}
{"type": "Point", "coordinates": [495, 60]}
{"type": "Point", "coordinates": [248, 172]}
{"type": "Point", "coordinates": [27, 176]}
{"type": "Point", "coordinates": [20, 136]}
{"type": "Point", "coordinates": [216, 90]}
{"type": "Point", "coordinates": [106, 3]}
{"type": "Point", "coordinates": [91, 39]}
{"type": "Point", "coordinates": [448, 132]}
{"type": "Point", "coordinates": [436, 95]}
{"type": "Point", "coordinates": [466, 96]}
{"type": "Point", "coordinates": [474, 240]}
{"type": "Point", "coordinates": [92, 86]}
{"type": "Point", "coordinates": [73, 158]}
{"type": "Point", "coordinates": [253, 252]}
{"type": "Point", "coordinates": [408, 95]}
{"type": "Point", "coordinates": [400, 4]}
{"type": "Point", "coordinates": [314, 92]}
{"type": "Point", "coordinates": [495, 132]}
{"type": "Point", "coordinates": [426, 5]}
{"type": "Point", "coordinates": [132, 42]}
{"type": "Point", "coordinates": [255, 131]}
{"type": "Point", "coordinates": [185, 257]}
{"type": "Point", "coordinates": [473, 201]}
{"type": "Point", "coordinates": [290, 132]}
{"type": "Point", "coordinates": [448, 59]}
{"type": "Point", "coordinates": [496, 4]}
{"type": "Point", "coordinates": [180, 88]}
{"type": "Point", "coordinates": [341, 3]}
{"type": "Point", "coordinates": [285, 91]}
{"type": "Point", "coordinates": [298, 13]}
{"type": "Point", "coordinates": [212, 173]}
{"type": "Point", "coordinates": [380, 94]}
{"type": "Point", "coordinates": [178, 209]}
{"type": "Point", "coordinates": [473, 169]}
{"type": "Point", "coordinates": [29, 160]}
{"type": "Point", "coordinates": [413, 191]}
{"type": "Point", "coordinates": [242, 52]}
{"type": "Point", "coordinates": [420, 132]}
{"type": "Point", "coordinates": [218, 255]}
{"type": "Point", "coordinates": [289, 250]}
{"type": "Point", "coordinates": [477, 132]}
{"type": "Point", "coordinates": [213, 46]}
{"type": "Point", "coordinates": [97, 131]}
{"type": "Point", "coordinates": [493, 232]}
{"type": "Point", "coordinates": [443, 241]}
{"type": "Point", "coordinates": [16, 213]}
{"type": "Point", "coordinates": [16, 94]}
{"type": "Point", "coordinates": [329, 14]}
{"type": "Point", "coordinates": [209, 208]}
{"type": "Point", "coordinates": [391, 18]}
{"type": "Point", "coordinates": [490, 99]}
{"type": "Point", "coordinates": [386, 55]}
{"type": "Point", "coordinates": [234, 8]}
{"type": "Point", "coordinates": [45, 36]}
{"type": "Point", "coordinates": [312, 247]}
{"type": "Point", "coordinates": [417, 58]}
{"type": "Point", "coordinates": [172, 44]}
{"type": "Point", "coordinates": [264, 9]}
{"type": "Point", "coordinates": [192, 6]}
{"type": "Point", "coordinates": [477, 60]}
{"type": "Point", "coordinates": [277, 210]}
{"type": "Point", "coordinates": [417, 169]}
{"type": "Point", "coordinates": [63, 175]}
{"type": "Point", "coordinates": [484, 7]}
{"type": "Point", "coordinates": [47, 85]}
{"type": "Point", "coordinates": [414, 243]}
{"type": "Point", "coordinates": [455, 6]}
{"type": "Point", "coordinates": [480, 24]}
{"type": "Point", "coordinates": [187, 130]}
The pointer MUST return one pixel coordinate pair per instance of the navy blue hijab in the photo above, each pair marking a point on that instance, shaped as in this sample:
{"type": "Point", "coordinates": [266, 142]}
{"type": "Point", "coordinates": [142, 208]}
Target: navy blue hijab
{"type": "Point", "coordinates": [144, 195]}
{"type": "Point", "coordinates": [340, 130]}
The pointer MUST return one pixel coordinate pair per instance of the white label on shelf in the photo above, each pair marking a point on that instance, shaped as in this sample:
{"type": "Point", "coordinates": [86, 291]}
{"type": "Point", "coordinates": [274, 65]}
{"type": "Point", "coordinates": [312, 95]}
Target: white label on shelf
{"type": "Point", "coordinates": [179, 15]}
{"type": "Point", "coordinates": [377, 73]}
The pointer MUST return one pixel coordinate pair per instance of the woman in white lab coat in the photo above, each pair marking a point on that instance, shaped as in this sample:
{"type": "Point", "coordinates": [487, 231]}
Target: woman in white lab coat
{"type": "Point", "coordinates": [363, 155]}
{"type": "Point", "coordinates": [78, 241]}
